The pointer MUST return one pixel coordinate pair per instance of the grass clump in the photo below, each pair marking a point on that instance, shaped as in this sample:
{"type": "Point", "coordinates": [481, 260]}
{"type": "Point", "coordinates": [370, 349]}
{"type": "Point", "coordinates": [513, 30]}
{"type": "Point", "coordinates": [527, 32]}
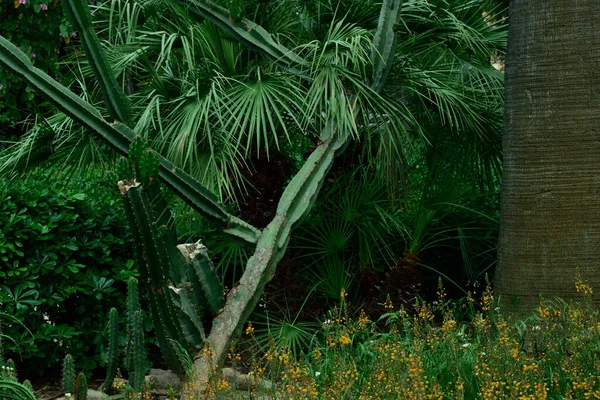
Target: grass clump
{"type": "Point", "coordinates": [447, 350]}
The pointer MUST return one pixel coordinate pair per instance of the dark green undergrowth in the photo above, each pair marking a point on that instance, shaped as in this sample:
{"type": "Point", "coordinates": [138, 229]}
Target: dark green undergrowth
{"type": "Point", "coordinates": [64, 262]}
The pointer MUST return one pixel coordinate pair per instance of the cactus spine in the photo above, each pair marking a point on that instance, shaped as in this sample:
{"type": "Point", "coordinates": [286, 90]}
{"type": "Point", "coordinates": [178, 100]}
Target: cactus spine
{"type": "Point", "coordinates": [68, 374]}
{"type": "Point", "coordinates": [113, 348]}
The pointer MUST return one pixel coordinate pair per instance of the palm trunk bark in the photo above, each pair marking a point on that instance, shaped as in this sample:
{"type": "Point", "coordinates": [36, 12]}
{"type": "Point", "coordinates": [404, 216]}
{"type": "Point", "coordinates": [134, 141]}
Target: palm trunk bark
{"type": "Point", "coordinates": [550, 203]}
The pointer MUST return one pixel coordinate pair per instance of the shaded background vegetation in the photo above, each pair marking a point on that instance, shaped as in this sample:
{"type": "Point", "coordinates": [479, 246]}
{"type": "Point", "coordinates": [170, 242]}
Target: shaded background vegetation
{"type": "Point", "coordinates": [406, 203]}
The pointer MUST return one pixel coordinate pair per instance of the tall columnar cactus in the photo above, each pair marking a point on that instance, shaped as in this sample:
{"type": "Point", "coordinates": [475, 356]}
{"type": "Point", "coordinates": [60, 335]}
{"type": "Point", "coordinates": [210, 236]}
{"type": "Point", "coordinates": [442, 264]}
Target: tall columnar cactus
{"type": "Point", "coordinates": [113, 348]}
{"type": "Point", "coordinates": [68, 374]}
{"type": "Point", "coordinates": [178, 290]}
{"type": "Point", "coordinates": [78, 13]}
{"type": "Point", "coordinates": [153, 260]}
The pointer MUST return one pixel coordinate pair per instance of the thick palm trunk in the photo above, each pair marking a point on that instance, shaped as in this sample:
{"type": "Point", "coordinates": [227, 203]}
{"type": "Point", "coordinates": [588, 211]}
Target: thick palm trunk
{"type": "Point", "coordinates": [550, 222]}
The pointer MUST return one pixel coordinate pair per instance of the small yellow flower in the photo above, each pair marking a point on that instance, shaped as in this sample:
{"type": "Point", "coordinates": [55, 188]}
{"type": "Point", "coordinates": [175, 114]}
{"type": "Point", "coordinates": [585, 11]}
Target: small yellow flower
{"type": "Point", "coordinates": [249, 329]}
{"type": "Point", "coordinates": [345, 340]}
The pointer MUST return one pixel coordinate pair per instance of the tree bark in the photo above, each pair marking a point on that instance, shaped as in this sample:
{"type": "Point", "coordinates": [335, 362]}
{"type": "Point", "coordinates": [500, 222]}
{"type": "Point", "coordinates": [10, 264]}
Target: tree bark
{"type": "Point", "coordinates": [550, 202]}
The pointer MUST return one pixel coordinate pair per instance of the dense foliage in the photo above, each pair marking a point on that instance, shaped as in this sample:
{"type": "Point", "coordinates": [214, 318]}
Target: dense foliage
{"type": "Point", "coordinates": [64, 262]}
{"type": "Point", "coordinates": [416, 186]}
{"type": "Point", "coordinates": [39, 28]}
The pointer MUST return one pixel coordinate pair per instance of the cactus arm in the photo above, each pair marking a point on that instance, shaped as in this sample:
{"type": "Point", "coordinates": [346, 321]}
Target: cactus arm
{"type": "Point", "coordinates": [295, 202]}
{"type": "Point", "coordinates": [119, 137]}
{"type": "Point", "coordinates": [117, 104]}
{"type": "Point", "coordinates": [203, 273]}
{"type": "Point", "coordinates": [246, 32]}
{"type": "Point", "coordinates": [384, 42]}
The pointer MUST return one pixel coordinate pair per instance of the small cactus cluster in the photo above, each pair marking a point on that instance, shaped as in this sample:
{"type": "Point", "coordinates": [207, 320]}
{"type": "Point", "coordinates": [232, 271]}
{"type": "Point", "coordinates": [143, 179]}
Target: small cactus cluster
{"type": "Point", "coordinates": [10, 388]}
{"type": "Point", "coordinates": [75, 387]}
{"type": "Point", "coordinates": [135, 352]}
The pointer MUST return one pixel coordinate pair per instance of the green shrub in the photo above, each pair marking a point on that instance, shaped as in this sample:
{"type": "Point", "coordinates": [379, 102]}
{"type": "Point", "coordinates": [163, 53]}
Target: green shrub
{"type": "Point", "coordinates": [40, 29]}
{"type": "Point", "coordinates": [64, 262]}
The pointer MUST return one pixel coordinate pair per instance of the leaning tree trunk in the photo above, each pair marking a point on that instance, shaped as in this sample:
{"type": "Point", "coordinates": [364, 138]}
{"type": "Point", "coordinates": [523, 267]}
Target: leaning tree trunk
{"type": "Point", "coordinates": [550, 204]}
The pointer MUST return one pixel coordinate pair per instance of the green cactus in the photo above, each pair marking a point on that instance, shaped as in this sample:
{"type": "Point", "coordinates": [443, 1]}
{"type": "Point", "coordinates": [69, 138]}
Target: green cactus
{"type": "Point", "coordinates": [81, 387]}
{"type": "Point", "coordinates": [384, 42]}
{"type": "Point", "coordinates": [113, 348]}
{"type": "Point", "coordinates": [202, 276]}
{"type": "Point", "coordinates": [123, 170]}
{"type": "Point", "coordinates": [28, 385]}
{"type": "Point", "coordinates": [9, 371]}
{"type": "Point", "coordinates": [153, 260]}
{"type": "Point", "coordinates": [15, 391]}
{"type": "Point", "coordinates": [188, 299]}
{"type": "Point", "coordinates": [137, 368]}
{"type": "Point", "coordinates": [68, 374]}
{"type": "Point", "coordinates": [10, 388]}
{"type": "Point", "coordinates": [145, 161]}
{"type": "Point", "coordinates": [78, 13]}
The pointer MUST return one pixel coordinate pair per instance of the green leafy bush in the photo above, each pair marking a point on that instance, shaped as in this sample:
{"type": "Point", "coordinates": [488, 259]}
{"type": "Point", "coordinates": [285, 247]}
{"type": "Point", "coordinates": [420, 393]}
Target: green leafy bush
{"type": "Point", "coordinates": [40, 29]}
{"type": "Point", "coordinates": [64, 262]}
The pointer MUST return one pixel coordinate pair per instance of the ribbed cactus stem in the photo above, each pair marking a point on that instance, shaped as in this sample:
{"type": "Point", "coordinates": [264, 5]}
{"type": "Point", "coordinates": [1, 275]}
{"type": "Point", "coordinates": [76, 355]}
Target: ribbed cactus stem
{"type": "Point", "coordinates": [113, 349]}
{"type": "Point", "coordinates": [384, 42]}
{"type": "Point", "coordinates": [81, 387]}
{"type": "Point", "coordinates": [133, 305]}
{"type": "Point", "coordinates": [68, 374]}
{"type": "Point", "coordinates": [28, 385]}
{"type": "Point", "coordinates": [78, 13]}
{"type": "Point", "coordinates": [15, 391]}
{"type": "Point", "coordinates": [297, 198]}
{"type": "Point", "coordinates": [138, 353]}
{"type": "Point", "coordinates": [154, 260]}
